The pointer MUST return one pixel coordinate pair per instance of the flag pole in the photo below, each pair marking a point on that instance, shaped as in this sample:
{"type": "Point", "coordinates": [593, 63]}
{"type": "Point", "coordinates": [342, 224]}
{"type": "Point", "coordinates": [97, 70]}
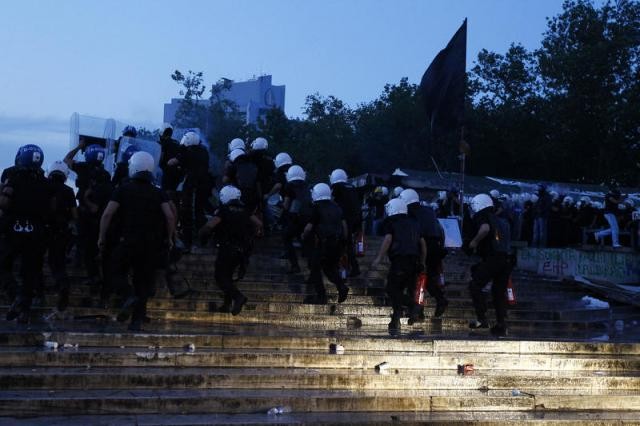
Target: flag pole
{"type": "Point", "coordinates": [463, 157]}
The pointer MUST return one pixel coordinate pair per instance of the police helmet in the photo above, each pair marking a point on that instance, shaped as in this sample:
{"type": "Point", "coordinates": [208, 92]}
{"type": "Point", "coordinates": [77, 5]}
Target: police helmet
{"type": "Point", "coordinates": [94, 154]}
{"type": "Point", "coordinates": [236, 143]}
{"type": "Point", "coordinates": [190, 139]}
{"type": "Point", "coordinates": [141, 162]}
{"type": "Point", "coordinates": [494, 193]}
{"type": "Point", "coordinates": [409, 196]}
{"type": "Point", "coordinates": [229, 193]}
{"type": "Point", "coordinates": [259, 144]}
{"type": "Point", "coordinates": [296, 173]}
{"type": "Point", "coordinates": [59, 167]}
{"type": "Point", "coordinates": [282, 159]}
{"type": "Point", "coordinates": [395, 207]}
{"type": "Point", "coordinates": [480, 202]}
{"type": "Point", "coordinates": [338, 176]}
{"type": "Point", "coordinates": [235, 154]}
{"type": "Point", "coordinates": [320, 191]}
{"type": "Point", "coordinates": [30, 156]}
{"type": "Point", "coordinates": [397, 191]}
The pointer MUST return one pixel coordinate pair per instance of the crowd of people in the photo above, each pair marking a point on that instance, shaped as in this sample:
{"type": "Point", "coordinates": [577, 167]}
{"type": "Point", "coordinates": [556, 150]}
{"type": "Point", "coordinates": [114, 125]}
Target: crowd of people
{"type": "Point", "coordinates": [131, 226]}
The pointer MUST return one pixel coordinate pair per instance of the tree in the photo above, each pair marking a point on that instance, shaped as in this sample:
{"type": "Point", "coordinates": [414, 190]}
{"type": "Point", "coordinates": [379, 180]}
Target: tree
{"type": "Point", "coordinates": [191, 112]}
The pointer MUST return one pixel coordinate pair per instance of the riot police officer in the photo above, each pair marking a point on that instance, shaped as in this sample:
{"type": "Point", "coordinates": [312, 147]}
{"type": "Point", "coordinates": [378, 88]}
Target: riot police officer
{"type": "Point", "coordinates": [234, 227]}
{"type": "Point", "coordinates": [347, 198]}
{"type": "Point", "coordinates": [145, 212]}
{"type": "Point", "coordinates": [297, 212]}
{"type": "Point", "coordinates": [407, 252]}
{"type": "Point", "coordinates": [492, 243]}
{"type": "Point", "coordinates": [329, 233]}
{"type": "Point", "coordinates": [243, 173]}
{"type": "Point", "coordinates": [27, 200]}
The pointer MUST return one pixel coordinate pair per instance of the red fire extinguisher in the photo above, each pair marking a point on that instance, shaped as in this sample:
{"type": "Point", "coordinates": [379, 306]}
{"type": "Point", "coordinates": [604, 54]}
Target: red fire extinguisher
{"type": "Point", "coordinates": [344, 267]}
{"type": "Point", "coordinates": [360, 244]}
{"type": "Point", "coordinates": [421, 288]}
{"type": "Point", "coordinates": [511, 294]}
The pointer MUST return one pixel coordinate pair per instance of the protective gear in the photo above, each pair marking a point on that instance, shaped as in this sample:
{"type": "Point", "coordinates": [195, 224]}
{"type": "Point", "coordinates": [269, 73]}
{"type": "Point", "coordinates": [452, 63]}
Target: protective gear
{"type": "Point", "coordinates": [395, 207]}
{"type": "Point", "coordinates": [494, 193]}
{"type": "Point", "coordinates": [296, 173]}
{"type": "Point", "coordinates": [321, 191]}
{"type": "Point", "coordinates": [235, 154]}
{"type": "Point", "coordinates": [94, 154]}
{"type": "Point", "coordinates": [236, 143]}
{"type": "Point", "coordinates": [397, 191]}
{"type": "Point", "coordinates": [283, 159]}
{"type": "Point", "coordinates": [59, 166]}
{"type": "Point", "coordinates": [141, 162]}
{"type": "Point", "coordinates": [568, 201]}
{"type": "Point", "coordinates": [130, 131]}
{"type": "Point", "coordinates": [554, 195]}
{"type": "Point", "coordinates": [409, 196]}
{"type": "Point", "coordinates": [190, 139]}
{"type": "Point", "coordinates": [30, 156]}
{"type": "Point", "coordinates": [338, 176]}
{"type": "Point", "coordinates": [229, 193]}
{"type": "Point", "coordinates": [585, 199]}
{"type": "Point", "coordinates": [164, 127]}
{"type": "Point", "coordinates": [629, 203]}
{"type": "Point", "coordinates": [259, 144]}
{"type": "Point", "coordinates": [442, 195]}
{"type": "Point", "coordinates": [480, 202]}
{"type": "Point", "coordinates": [381, 190]}
{"type": "Point", "coordinates": [126, 155]}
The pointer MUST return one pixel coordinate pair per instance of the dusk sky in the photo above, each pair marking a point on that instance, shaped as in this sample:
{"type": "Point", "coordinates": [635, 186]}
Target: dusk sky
{"type": "Point", "coordinates": [114, 58]}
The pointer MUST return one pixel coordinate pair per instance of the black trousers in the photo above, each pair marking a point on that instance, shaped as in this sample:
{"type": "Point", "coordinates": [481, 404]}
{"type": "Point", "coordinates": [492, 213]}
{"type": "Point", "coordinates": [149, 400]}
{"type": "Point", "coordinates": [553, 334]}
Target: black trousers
{"type": "Point", "coordinates": [227, 261]}
{"type": "Point", "coordinates": [30, 248]}
{"type": "Point", "coordinates": [58, 244]}
{"type": "Point", "coordinates": [325, 257]}
{"type": "Point", "coordinates": [295, 226]}
{"type": "Point", "coordinates": [494, 268]}
{"type": "Point", "coordinates": [140, 260]}
{"type": "Point", "coordinates": [89, 228]}
{"type": "Point", "coordinates": [402, 277]}
{"type": "Point", "coordinates": [193, 202]}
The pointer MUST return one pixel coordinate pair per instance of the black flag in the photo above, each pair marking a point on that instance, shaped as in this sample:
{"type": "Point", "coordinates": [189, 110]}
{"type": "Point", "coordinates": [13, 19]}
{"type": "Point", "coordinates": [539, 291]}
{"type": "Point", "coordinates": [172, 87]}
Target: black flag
{"type": "Point", "coordinates": [443, 85]}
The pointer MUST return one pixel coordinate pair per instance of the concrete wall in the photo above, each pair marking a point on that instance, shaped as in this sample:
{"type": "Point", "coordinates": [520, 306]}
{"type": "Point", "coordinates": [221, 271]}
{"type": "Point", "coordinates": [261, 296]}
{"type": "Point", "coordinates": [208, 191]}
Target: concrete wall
{"type": "Point", "coordinates": [616, 267]}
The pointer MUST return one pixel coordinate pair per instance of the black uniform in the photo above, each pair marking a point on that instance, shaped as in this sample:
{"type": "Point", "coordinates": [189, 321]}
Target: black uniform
{"type": "Point", "coordinates": [404, 255]}
{"type": "Point", "coordinates": [432, 233]}
{"type": "Point", "coordinates": [94, 185]}
{"type": "Point", "coordinates": [244, 175]}
{"type": "Point", "coordinates": [59, 238]}
{"type": "Point", "coordinates": [195, 191]}
{"type": "Point", "coordinates": [6, 253]}
{"type": "Point", "coordinates": [171, 175]}
{"type": "Point", "coordinates": [328, 246]}
{"type": "Point", "coordinates": [347, 198]}
{"type": "Point", "coordinates": [27, 219]}
{"type": "Point", "coordinates": [495, 266]}
{"type": "Point", "coordinates": [297, 217]}
{"type": "Point", "coordinates": [266, 169]}
{"type": "Point", "coordinates": [234, 236]}
{"type": "Point", "coordinates": [140, 243]}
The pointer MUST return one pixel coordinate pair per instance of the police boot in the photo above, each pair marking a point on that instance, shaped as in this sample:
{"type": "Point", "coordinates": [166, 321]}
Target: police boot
{"type": "Point", "coordinates": [499, 330]}
{"type": "Point", "coordinates": [414, 315]}
{"type": "Point", "coordinates": [441, 306]}
{"type": "Point", "coordinates": [394, 325]}
{"type": "Point", "coordinates": [476, 324]}
{"type": "Point", "coordinates": [238, 303]}
{"type": "Point", "coordinates": [343, 291]}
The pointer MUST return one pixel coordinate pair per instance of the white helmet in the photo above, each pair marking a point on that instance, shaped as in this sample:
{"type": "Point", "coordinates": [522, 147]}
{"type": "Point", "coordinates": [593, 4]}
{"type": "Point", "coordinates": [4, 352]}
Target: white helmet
{"type": "Point", "coordinates": [585, 199]}
{"type": "Point", "coordinates": [236, 143]}
{"type": "Point", "coordinates": [259, 144]}
{"type": "Point", "coordinates": [320, 191]}
{"type": "Point", "coordinates": [629, 202]}
{"type": "Point", "coordinates": [282, 159]}
{"type": "Point", "coordinates": [338, 176]}
{"type": "Point", "coordinates": [296, 173]}
{"type": "Point", "coordinates": [395, 206]}
{"type": "Point", "coordinates": [190, 139]}
{"type": "Point", "coordinates": [397, 191]}
{"type": "Point", "coordinates": [409, 196]}
{"type": "Point", "coordinates": [233, 155]}
{"type": "Point", "coordinates": [164, 127]}
{"type": "Point", "coordinates": [554, 195]}
{"type": "Point", "coordinates": [60, 167]}
{"type": "Point", "coordinates": [442, 195]}
{"type": "Point", "coordinates": [229, 193]}
{"type": "Point", "coordinates": [534, 198]}
{"type": "Point", "coordinates": [568, 200]}
{"type": "Point", "coordinates": [141, 161]}
{"type": "Point", "coordinates": [494, 193]}
{"type": "Point", "coordinates": [480, 202]}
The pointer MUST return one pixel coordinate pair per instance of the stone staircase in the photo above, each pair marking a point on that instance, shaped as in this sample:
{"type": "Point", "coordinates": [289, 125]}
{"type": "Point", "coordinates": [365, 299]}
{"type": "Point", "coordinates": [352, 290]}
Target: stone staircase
{"type": "Point", "coordinates": [562, 362]}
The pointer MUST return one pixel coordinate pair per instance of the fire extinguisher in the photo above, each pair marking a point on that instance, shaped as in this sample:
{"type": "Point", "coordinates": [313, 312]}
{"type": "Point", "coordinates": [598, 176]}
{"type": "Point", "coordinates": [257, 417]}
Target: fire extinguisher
{"type": "Point", "coordinates": [511, 294]}
{"type": "Point", "coordinates": [344, 267]}
{"type": "Point", "coordinates": [360, 244]}
{"type": "Point", "coordinates": [421, 288]}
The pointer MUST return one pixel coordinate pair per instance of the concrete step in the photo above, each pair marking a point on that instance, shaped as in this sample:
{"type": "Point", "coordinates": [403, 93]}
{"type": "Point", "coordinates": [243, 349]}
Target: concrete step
{"type": "Point", "coordinates": [247, 401]}
{"type": "Point", "coordinates": [299, 378]}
